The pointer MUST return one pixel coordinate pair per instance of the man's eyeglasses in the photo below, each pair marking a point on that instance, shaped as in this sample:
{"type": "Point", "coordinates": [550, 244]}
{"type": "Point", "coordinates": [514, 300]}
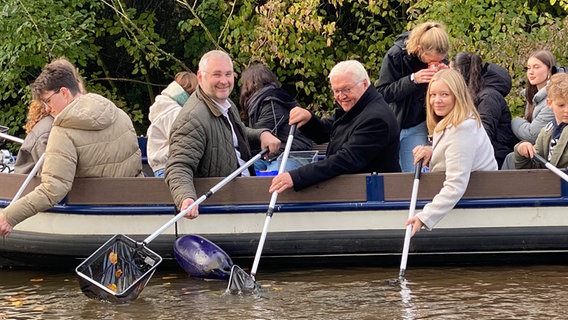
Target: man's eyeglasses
{"type": "Point", "coordinates": [47, 101]}
{"type": "Point", "coordinates": [345, 91]}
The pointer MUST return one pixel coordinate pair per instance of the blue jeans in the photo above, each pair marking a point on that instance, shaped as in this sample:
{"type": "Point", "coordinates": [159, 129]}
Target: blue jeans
{"type": "Point", "coordinates": [263, 165]}
{"type": "Point", "coordinates": [409, 139]}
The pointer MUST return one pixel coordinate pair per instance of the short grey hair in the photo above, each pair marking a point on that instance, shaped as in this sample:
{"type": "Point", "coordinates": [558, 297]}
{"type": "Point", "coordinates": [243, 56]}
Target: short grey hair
{"type": "Point", "coordinates": [213, 54]}
{"type": "Point", "coordinates": [353, 67]}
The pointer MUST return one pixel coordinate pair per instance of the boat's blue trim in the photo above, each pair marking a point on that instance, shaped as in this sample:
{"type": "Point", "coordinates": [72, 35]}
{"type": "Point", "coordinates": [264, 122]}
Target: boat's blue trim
{"type": "Point", "coordinates": [375, 188]}
{"type": "Point", "coordinates": [564, 188]}
{"type": "Point", "coordinates": [303, 207]}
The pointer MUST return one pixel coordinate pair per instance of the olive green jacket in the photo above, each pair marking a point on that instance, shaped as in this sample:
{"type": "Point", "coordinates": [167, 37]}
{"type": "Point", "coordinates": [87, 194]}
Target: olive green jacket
{"type": "Point", "coordinates": [559, 157]}
{"type": "Point", "coordinates": [201, 145]}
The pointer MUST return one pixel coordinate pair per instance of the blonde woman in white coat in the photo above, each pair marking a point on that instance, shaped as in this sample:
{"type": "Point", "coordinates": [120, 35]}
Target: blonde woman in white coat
{"type": "Point", "coordinates": [460, 145]}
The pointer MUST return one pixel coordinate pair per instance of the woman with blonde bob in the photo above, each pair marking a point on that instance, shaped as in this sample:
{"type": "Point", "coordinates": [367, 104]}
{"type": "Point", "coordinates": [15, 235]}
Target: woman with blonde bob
{"type": "Point", "coordinates": [460, 144]}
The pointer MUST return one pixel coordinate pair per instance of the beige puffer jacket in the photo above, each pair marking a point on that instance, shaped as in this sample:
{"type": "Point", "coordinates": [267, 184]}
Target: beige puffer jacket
{"type": "Point", "coordinates": [91, 137]}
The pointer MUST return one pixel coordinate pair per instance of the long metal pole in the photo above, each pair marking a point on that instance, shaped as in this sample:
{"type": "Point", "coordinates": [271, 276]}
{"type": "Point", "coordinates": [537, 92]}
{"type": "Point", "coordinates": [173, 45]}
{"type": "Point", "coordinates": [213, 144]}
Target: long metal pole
{"type": "Point", "coordinates": [209, 193]}
{"type": "Point", "coordinates": [272, 203]}
{"type": "Point", "coordinates": [407, 235]}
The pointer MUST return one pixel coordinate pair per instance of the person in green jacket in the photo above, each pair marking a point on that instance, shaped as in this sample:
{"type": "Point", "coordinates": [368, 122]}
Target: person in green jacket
{"type": "Point", "coordinates": [208, 139]}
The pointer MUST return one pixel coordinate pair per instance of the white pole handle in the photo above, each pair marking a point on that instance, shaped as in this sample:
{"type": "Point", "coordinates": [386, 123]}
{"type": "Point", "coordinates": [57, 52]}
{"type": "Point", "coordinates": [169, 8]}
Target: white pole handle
{"type": "Point", "coordinates": [209, 193]}
{"type": "Point", "coordinates": [12, 138]}
{"type": "Point", "coordinates": [551, 167]}
{"type": "Point", "coordinates": [29, 178]}
{"type": "Point", "coordinates": [407, 235]}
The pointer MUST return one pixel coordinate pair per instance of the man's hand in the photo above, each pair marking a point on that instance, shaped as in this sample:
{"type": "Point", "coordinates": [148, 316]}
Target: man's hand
{"type": "Point", "coordinates": [299, 116]}
{"type": "Point", "coordinates": [281, 182]}
{"type": "Point", "coordinates": [194, 212]}
{"type": "Point", "coordinates": [268, 140]}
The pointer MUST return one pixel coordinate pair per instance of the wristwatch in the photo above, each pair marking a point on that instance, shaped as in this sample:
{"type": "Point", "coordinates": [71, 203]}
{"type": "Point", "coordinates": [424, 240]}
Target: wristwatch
{"type": "Point", "coordinates": [412, 78]}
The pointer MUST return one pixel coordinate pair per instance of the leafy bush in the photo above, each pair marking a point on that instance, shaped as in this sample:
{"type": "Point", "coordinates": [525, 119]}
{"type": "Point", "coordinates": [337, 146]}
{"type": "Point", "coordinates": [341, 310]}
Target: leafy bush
{"type": "Point", "coordinates": [129, 50]}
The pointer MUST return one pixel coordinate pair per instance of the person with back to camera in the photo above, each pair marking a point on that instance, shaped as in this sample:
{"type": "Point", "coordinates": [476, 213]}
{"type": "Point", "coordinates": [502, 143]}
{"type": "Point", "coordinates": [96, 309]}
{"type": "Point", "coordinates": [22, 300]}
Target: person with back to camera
{"type": "Point", "coordinates": [552, 141]}
{"type": "Point", "coordinates": [363, 134]}
{"type": "Point", "coordinates": [38, 127]}
{"type": "Point", "coordinates": [405, 73]}
{"type": "Point", "coordinates": [267, 105]}
{"type": "Point", "coordinates": [488, 85]}
{"type": "Point", "coordinates": [541, 65]}
{"type": "Point", "coordinates": [460, 145]}
{"type": "Point", "coordinates": [90, 137]}
{"type": "Point", "coordinates": [208, 139]}
{"type": "Point", "coordinates": [163, 113]}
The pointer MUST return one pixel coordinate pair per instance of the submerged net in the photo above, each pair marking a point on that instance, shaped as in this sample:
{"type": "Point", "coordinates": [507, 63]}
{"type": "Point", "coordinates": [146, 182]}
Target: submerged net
{"type": "Point", "coordinates": [241, 282]}
{"type": "Point", "coordinates": [121, 267]}
{"type": "Point", "coordinates": [118, 269]}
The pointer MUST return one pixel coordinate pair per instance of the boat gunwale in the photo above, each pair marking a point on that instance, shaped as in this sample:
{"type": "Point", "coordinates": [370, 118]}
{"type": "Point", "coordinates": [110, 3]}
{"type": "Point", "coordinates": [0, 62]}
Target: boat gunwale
{"type": "Point", "coordinates": [358, 189]}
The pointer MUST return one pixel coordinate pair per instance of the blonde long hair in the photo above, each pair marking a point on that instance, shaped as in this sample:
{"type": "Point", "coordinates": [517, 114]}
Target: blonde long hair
{"type": "Point", "coordinates": [463, 107]}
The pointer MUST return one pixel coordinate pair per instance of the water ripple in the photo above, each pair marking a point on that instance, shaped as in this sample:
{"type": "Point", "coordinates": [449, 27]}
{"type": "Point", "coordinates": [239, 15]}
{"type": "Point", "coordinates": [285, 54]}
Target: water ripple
{"type": "Point", "coordinates": [533, 292]}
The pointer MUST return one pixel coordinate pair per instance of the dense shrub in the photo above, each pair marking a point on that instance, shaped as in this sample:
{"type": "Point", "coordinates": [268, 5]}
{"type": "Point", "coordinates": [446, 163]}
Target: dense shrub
{"type": "Point", "coordinates": [129, 50]}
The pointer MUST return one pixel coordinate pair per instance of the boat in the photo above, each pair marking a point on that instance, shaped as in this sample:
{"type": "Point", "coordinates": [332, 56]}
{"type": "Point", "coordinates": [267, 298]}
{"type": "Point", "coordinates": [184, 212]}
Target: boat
{"type": "Point", "coordinates": [349, 219]}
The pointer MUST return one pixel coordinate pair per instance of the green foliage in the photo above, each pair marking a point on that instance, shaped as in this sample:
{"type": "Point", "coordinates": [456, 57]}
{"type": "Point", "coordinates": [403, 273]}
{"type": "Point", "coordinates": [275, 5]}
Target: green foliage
{"type": "Point", "coordinates": [298, 48]}
{"type": "Point", "coordinates": [503, 32]}
{"type": "Point", "coordinates": [128, 50]}
{"type": "Point", "coordinates": [32, 33]}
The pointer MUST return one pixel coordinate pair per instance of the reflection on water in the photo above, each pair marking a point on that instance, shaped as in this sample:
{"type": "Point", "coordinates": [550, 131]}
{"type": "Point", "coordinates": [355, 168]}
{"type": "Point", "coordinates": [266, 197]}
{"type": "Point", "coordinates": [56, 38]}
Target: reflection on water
{"type": "Point", "coordinates": [532, 292]}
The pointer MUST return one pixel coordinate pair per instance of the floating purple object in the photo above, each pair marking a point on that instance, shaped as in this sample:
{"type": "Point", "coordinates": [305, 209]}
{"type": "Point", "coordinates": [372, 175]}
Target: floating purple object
{"type": "Point", "coordinates": [202, 258]}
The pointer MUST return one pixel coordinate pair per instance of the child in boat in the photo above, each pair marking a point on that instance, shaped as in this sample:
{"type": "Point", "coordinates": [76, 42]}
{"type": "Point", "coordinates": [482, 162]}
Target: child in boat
{"type": "Point", "coordinates": [552, 140]}
{"type": "Point", "coordinates": [460, 145]}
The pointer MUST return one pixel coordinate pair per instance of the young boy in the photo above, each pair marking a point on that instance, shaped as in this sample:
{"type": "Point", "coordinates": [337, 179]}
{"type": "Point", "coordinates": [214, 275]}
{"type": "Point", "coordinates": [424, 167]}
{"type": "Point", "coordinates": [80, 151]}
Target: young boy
{"type": "Point", "coordinates": [552, 140]}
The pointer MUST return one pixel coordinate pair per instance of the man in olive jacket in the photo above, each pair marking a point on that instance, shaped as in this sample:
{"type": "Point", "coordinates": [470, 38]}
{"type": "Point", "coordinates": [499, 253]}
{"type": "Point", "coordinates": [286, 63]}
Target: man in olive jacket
{"type": "Point", "coordinates": [207, 138]}
{"type": "Point", "coordinates": [90, 137]}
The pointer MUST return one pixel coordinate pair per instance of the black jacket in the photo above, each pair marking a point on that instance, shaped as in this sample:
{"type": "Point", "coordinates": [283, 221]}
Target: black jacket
{"type": "Point", "coordinates": [406, 98]}
{"type": "Point", "coordinates": [363, 140]}
{"type": "Point", "coordinates": [270, 108]}
{"type": "Point", "coordinates": [494, 110]}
